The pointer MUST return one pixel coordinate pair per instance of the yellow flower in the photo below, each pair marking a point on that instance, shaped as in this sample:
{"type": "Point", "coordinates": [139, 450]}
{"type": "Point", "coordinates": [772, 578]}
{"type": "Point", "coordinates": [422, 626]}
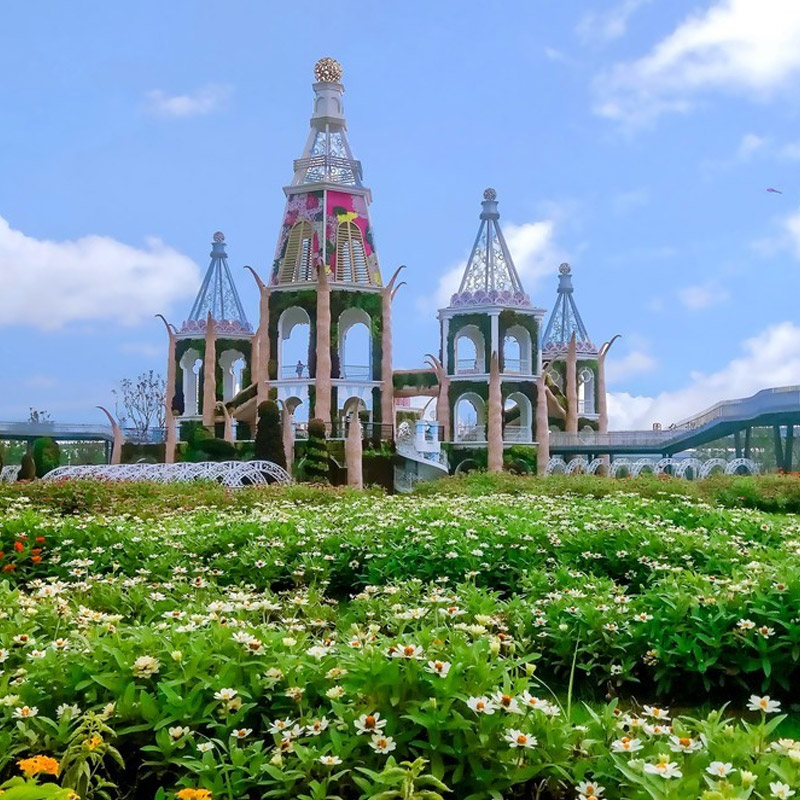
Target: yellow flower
{"type": "Point", "coordinates": [93, 742]}
{"type": "Point", "coordinates": [38, 765]}
{"type": "Point", "coordinates": [194, 794]}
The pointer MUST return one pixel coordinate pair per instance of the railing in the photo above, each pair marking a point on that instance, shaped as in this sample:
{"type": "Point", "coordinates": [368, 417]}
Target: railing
{"type": "Point", "coordinates": [761, 402]}
{"type": "Point", "coordinates": [370, 431]}
{"type": "Point", "coordinates": [471, 433]}
{"type": "Point", "coordinates": [612, 439]}
{"type": "Point", "coordinates": [294, 372]}
{"type": "Point", "coordinates": [326, 168]}
{"type": "Point", "coordinates": [356, 372]}
{"type": "Point", "coordinates": [515, 365]}
{"type": "Point", "coordinates": [466, 366]}
{"type": "Point", "coordinates": [55, 430]}
{"type": "Point", "coordinates": [516, 434]}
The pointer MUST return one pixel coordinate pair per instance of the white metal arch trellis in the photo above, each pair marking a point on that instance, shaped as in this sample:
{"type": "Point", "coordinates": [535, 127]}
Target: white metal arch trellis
{"type": "Point", "coordinates": [594, 465]}
{"type": "Point", "coordinates": [577, 466]}
{"type": "Point", "coordinates": [555, 466]}
{"type": "Point", "coordinates": [736, 466]}
{"type": "Point", "coordinates": [229, 473]}
{"type": "Point", "coordinates": [712, 464]}
{"type": "Point", "coordinates": [640, 465]}
{"type": "Point", "coordinates": [9, 473]}
{"type": "Point", "coordinates": [663, 465]}
{"type": "Point", "coordinates": [617, 466]}
{"type": "Point", "coordinates": [686, 464]}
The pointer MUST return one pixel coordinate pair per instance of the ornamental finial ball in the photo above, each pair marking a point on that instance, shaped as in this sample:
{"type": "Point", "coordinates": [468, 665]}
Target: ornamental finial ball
{"type": "Point", "coordinates": [328, 70]}
{"type": "Point", "coordinates": [490, 194]}
{"type": "Point", "coordinates": [565, 269]}
{"type": "Point", "coordinates": [219, 237]}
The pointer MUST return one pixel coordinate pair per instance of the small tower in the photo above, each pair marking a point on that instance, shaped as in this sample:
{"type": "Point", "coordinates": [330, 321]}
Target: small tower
{"type": "Point", "coordinates": [227, 344]}
{"type": "Point", "coordinates": [565, 323]}
{"type": "Point", "coordinates": [491, 313]}
{"type": "Point", "coordinates": [325, 290]}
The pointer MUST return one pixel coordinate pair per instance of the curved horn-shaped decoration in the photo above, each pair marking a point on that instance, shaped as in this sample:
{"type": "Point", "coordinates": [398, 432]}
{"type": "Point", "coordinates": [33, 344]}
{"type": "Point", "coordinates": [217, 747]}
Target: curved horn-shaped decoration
{"type": "Point", "coordinates": [111, 420]}
{"type": "Point", "coordinates": [394, 278]}
{"type": "Point", "coordinates": [607, 346]}
{"type": "Point", "coordinates": [394, 291]}
{"type": "Point", "coordinates": [171, 329]}
{"type": "Point", "coordinates": [260, 283]}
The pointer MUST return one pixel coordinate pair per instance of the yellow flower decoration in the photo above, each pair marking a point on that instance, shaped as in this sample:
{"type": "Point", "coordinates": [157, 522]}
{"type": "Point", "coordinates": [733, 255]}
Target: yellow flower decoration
{"type": "Point", "coordinates": [194, 794]}
{"type": "Point", "coordinates": [348, 217]}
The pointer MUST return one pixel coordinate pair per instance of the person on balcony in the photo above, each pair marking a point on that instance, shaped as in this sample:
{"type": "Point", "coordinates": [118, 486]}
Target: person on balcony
{"type": "Point", "coordinates": [299, 368]}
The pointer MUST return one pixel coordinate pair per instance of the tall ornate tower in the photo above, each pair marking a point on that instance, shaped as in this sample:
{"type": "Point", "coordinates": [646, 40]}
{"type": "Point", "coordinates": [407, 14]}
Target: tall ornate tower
{"type": "Point", "coordinates": [491, 314]}
{"type": "Point", "coordinates": [326, 330]}
{"type": "Point", "coordinates": [212, 349]}
{"type": "Point", "coordinates": [566, 344]}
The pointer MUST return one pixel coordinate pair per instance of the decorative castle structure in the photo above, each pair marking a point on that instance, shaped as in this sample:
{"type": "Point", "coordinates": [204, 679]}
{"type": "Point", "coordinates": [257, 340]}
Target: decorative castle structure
{"type": "Point", "coordinates": [323, 344]}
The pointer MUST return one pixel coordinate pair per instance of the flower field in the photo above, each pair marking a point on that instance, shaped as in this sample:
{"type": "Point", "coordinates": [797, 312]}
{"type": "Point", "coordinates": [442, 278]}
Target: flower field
{"type": "Point", "coordinates": [634, 642]}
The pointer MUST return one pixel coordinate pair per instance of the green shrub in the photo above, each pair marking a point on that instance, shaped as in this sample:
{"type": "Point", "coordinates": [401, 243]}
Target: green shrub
{"type": "Point", "coordinates": [27, 470]}
{"type": "Point", "coordinates": [268, 443]}
{"type": "Point", "coordinates": [46, 455]}
{"type": "Point", "coordinates": [316, 465]}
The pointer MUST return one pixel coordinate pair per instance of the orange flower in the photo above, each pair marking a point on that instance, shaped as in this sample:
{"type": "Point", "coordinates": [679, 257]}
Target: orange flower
{"type": "Point", "coordinates": [194, 794]}
{"type": "Point", "coordinates": [36, 559]}
{"type": "Point", "coordinates": [92, 743]}
{"type": "Point", "coordinates": [19, 547]}
{"type": "Point", "coordinates": [37, 765]}
{"type": "Point", "coordinates": [8, 568]}
{"type": "Point", "coordinates": [39, 539]}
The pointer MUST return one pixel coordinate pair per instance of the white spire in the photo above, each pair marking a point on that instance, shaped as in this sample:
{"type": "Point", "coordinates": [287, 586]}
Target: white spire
{"type": "Point", "coordinates": [490, 277]}
{"type": "Point", "coordinates": [327, 158]}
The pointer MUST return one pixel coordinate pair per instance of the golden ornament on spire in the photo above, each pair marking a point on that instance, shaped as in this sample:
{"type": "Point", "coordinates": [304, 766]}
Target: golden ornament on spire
{"type": "Point", "coordinates": [328, 70]}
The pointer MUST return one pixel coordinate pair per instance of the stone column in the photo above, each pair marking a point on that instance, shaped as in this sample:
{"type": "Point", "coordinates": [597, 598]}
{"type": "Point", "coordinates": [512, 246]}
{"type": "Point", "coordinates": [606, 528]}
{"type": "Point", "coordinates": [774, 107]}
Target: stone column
{"type": "Point", "coordinates": [495, 417]}
{"type": "Point", "coordinates": [119, 439]}
{"type": "Point", "coordinates": [210, 377]}
{"type": "Point", "coordinates": [572, 387]}
{"type": "Point", "coordinates": [494, 319]}
{"type": "Point", "coordinates": [287, 431]}
{"type": "Point", "coordinates": [353, 448]}
{"type": "Point", "coordinates": [169, 416]}
{"type": "Point", "coordinates": [322, 405]}
{"type": "Point", "coordinates": [259, 368]}
{"type": "Point", "coordinates": [542, 427]}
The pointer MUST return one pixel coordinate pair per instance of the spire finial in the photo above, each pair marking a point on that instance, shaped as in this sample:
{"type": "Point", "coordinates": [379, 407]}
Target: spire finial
{"type": "Point", "coordinates": [489, 194]}
{"type": "Point", "coordinates": [328, 70]}
{"type": "Point", "coordinates": [565, 269]}
{"type": "Point", "coordinates": [219, 237]}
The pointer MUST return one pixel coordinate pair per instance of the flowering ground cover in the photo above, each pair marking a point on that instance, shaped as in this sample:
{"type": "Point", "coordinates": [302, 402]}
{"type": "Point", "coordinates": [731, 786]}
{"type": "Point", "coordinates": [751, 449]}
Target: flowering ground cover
{"type": "Point", "coordinates": [612, 643]}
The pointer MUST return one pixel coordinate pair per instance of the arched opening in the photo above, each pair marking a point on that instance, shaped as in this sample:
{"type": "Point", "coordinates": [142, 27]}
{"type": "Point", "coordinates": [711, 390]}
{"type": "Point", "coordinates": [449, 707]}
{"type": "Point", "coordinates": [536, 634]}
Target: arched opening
{"type": "Point", "coordinates": [351, 259]}
{"type": "Point", "coordinates": [298, 257]}
{"type": "Point", "coordinates": [586, 391]}
{"type": "Point", "coordinates": [232, 363]}
{"type": "Point", "coordinates": [355, 345]}
{"type": "Point", "coordinates": [517, 350]}
{"type": "Point", "coordinates": [470, 351]}
{"type": "Point", "coordinates": [556, 381]}
{"type": "Point", "coordinates": [294, 336]}
{"type": "Point", "coordinates": [190, 365]}
{"type": "Point", "coordinates": [352, 406]}
{"type": "Point", "coordinates": [517, 417]}
{"type": "Point", "coordinates": [470, 418]}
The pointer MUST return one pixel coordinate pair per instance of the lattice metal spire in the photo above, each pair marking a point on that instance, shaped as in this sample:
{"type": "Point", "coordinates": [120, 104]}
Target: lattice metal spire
{"type": "Point", "coordinates": [327, 157]}
{"type": "Point", "coordinates": [490, 277]}
{"type": "Point", "coordinates": [218, 295]}
{"type": "Point", "coordinates": [566, 320]}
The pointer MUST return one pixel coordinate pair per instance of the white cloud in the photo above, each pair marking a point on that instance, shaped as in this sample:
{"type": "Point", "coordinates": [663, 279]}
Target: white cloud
{"type": "Point", "coordinates": [145, 349]}
{"type": "Point", "coordinates": [605, 26]}
{"type": "Point", "coordinates": [203, 101]}
{"type": "Point", "coordinates": [790, 151]}
{"type": "Point", "coordinates": [698, 298]}
{"type": "Point", "coordinates": [47, 284]}
{"type": "Point", "coordinates": [533, 249]}
{"type": "Point", "coordinates": [742, 46]}
{"type": "Point", "coordinates": [772, 358]}
{"type": "Point", "coordinates": [633, 363]}
{"type": "Point", "coordinates": [750, 144]}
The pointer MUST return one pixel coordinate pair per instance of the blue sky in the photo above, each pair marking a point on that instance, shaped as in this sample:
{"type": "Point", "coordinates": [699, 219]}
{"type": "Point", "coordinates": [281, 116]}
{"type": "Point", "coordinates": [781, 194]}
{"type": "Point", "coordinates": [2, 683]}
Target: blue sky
{"type": "Point", "coordinates": [633, 138]}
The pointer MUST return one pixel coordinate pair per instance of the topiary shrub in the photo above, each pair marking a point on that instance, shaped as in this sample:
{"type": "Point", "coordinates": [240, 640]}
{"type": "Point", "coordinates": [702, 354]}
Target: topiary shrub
{"type": "Point", "coordinates": [27, 470]}
{"type": "Point", "coordinates": [46, 455]}
{"type": "Point", "coordinates": [316, 466]}
{"type": "Point", "coordinates": [268, 444]}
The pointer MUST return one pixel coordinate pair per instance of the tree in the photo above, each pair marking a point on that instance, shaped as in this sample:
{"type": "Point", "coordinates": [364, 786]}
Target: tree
{"type": "Point", "coordinates": [316, 463]}
{"type": "Point", "coordinates": [142, 402]}
{"type": "Point", "coordinates": [268, 444]}
{"type": "Point", "coordinates": [27, 470]}
{"type": "Point", "coordinates": [39, 417]}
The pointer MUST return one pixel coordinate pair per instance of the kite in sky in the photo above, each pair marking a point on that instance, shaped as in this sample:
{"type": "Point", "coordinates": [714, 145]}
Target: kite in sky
{"type": "Point", "coordinates": [774, 191]}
